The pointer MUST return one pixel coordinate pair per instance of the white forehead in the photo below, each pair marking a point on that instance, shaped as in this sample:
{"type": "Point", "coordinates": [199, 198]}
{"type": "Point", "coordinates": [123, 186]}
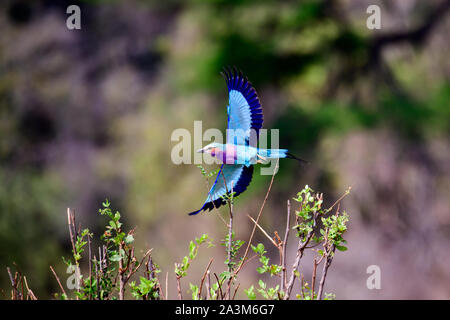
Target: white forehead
{"type": "Point", "coordinates": [211, 145]}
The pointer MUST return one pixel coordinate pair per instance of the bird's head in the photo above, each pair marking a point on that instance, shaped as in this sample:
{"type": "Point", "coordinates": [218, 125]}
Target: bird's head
{"type": "Point", "coordinates": [210, 148]}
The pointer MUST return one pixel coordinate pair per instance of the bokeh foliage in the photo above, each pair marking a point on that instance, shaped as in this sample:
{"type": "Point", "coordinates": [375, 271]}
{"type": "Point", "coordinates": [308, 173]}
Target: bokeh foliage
{"type": "Point", "coordinates": [88, 114]}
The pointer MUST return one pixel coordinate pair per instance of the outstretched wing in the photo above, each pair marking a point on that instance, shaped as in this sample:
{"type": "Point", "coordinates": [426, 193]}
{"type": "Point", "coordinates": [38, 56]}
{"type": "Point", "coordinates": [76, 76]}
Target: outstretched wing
{"type": "Point", "coordinates": [244, 109]}
{"type": "Point", "coordinates": [238, 176]}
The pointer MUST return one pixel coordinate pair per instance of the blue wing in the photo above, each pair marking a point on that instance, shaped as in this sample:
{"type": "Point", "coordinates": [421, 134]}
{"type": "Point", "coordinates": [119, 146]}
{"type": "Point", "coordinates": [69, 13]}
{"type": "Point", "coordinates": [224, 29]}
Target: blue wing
{"type": "Point", "coordinates": [238, 176]}
{"type": "Point", "coordinates": [244, 109]}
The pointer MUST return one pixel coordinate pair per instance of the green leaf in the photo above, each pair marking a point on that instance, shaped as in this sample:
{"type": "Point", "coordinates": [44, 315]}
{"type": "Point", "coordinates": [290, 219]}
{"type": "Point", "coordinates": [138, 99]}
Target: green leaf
{"type": "Point", "coordinates": [250, 293]}
{"type": "Point", "coordinates": [262, 284]}
{"type": "Point", "coordinates": [261, 270]}
{"type": "Point", "coordinates": [129, 239]}
{"type": "Point", "coordinates": [185, 261]}
{"type": "Point", "coordinates": [194, 290]}
{"type": "Point", "coordinates": [106, 203]}
{"type": "Point", "coordinates": [191, 249]}
{"type": "Point", "coordinates": [116, 257]}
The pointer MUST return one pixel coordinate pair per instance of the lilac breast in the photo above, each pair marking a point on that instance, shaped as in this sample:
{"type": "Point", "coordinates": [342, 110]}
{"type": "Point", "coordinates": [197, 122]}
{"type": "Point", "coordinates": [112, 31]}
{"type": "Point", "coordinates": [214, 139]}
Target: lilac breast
{"type": "Point", "coordinates": [229, 156]}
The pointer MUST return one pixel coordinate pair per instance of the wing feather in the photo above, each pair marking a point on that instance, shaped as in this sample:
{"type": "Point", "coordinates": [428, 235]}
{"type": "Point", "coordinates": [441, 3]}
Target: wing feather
{"type": "Point", "coordinates": [244, 108]}
{"type": "Point", "coordinates": [238, 176]}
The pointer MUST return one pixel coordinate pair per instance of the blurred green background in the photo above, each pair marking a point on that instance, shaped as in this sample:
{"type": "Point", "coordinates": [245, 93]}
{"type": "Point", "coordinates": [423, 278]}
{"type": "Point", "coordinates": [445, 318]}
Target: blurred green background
{"type": "Point", "coordinates": [88, 114]}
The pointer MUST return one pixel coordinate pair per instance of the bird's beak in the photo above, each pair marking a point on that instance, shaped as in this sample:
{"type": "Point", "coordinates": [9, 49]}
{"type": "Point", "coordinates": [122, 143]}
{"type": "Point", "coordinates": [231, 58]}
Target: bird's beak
{"type": "Point", "coordinates": [200, 150]}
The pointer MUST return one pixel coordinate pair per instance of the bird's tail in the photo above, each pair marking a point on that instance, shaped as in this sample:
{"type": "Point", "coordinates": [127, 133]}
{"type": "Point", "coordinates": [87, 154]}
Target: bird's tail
{"type": "Point", "coordinates": [291, 156]}
{"type": "Point", "coordinates": [279, 153]}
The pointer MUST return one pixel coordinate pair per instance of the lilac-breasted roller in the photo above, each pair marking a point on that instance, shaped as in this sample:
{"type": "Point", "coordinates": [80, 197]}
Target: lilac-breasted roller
{"type": "Point", "coordinates": [240, 153]}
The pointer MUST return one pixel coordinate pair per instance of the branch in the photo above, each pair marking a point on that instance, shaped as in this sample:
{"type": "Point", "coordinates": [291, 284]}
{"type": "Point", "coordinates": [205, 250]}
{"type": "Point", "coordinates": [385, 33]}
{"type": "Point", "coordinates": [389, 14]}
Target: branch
{"type": "Point", "coordinates": [313, 280]}
{"type": "Point", "coordinates": [151, 274]}
{"type": "Point", "coordinates": [257, 220]}
{"type": "Point", "coordinates": [203, 278]}
{"type": "Point", "coordinates": [15, 293]}
{"type": "Point", "coordinates": [230, 233]}
{"type": "Point", "coordinates": [235, 291]}
{"type": "Point", "coordinates": [122, 276]}
{"type": "Point", "coordinates": [346, 193]}
{"type": "Point", "coordinates": [59, 282]}
{"type": "Point", "coordinates": [295, 266]}
{"type": "Point", "coordinates": [263, 231]}
{"type": "Point", "coordinates": [230, 239]}
{"type": "Point", "coordinates": [90, 266]}
{"type": "Point", "coordinates": [180, 296]}
{"type": "Point", "coordinates": [283, 284]}
{"type": "Point", "coordinates": [326, 265]}
{"type": "Point", "coordinates": [220, 286]}
{"type": "Point", "coordinates": [29, 291]}
{"type": "Point", "coordinates": [208, 285]}
{"type": "Point", "coordinates": [73, 237]}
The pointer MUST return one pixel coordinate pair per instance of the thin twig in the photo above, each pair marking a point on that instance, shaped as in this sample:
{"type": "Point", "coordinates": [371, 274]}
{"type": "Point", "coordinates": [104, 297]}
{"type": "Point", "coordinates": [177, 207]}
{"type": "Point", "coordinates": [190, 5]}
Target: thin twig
{"type": "Point", "coordinates": [220, 286]}
{"type": "Point", "coordinates": [133, 271]}
{"type": "Point", "coordinates": [230, 239]}
{"type": "Point", "coordinates": [208, 285]}
{"type": "Point", "coordinates": [326, 265]}
{"type": "Point", "coordinates": [279, 245]}
{"type": "Point", "coordinates": [167, 285]}
{"type": "Point", "coordinates": [15, 291]}
{"type": "Point", "coordinates": [20, 280]}
{"type": "Point", "coordinates": [203, 278]}
{"type": "Point", "coordinates": [301, 248]}
{"type": "Point", "coordinates": [249, 259]}
{"type": "Point", "coordinates": [313, 279]}
{"type": "Point", "coordinates": [180, 295]}
{"type": "Point", "coordinates": [73, 238]}
{"type": "Point", "coordinates": [221, 218]}
{"type": "Point", "coordinates": [69, 223]}
{"type": "Point", "coordinates": [235, 291]}
{"type": "Point", "coordinates": [257, 220]}
{"type": "Point", "coordinates": [30, 293]}
{"type": "Point", "coordinates": [283, 283]}
{"type": "Point", "coordinates": [97, 275]}
{"type": "Point", "coordinates": [160, 290]}
{"type": "Point", "coordinates": [121, 276]}
{"type": "Point", "coordinates": [295, 266]}
{"type": "Point", "coordinates": [90, 266]}
{"type": "Point", "coordinates": [151, 274]}
{"type": "Point", "coordinates": [59, 282]}
{"type": "Point", "coordinates": [263, 231]}
{"type": "Point", "coordinates": [346, 193]}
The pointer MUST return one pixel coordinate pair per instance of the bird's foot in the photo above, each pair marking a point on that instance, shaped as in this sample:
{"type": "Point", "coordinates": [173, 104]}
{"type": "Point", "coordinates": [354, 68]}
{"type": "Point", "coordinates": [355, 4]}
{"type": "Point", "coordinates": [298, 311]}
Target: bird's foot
{"type": "Point", "coordinates": [261, 159]}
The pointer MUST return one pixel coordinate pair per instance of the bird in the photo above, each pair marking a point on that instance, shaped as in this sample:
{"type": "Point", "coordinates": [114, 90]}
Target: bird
{"type": "Point", "coordinates": [238, 156]}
